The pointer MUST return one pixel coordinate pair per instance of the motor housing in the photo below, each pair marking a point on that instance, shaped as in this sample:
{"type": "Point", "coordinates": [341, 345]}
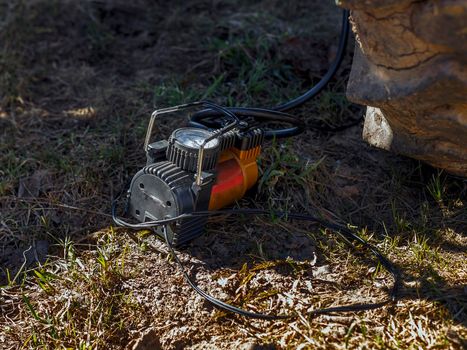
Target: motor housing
{"type": "Point", "coordinates": [166, 187]}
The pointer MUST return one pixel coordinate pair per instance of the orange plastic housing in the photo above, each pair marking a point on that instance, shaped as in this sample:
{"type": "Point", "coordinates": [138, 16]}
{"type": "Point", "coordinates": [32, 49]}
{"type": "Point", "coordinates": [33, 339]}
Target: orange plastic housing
{"type": "Point", "coordinates": [237, 172]}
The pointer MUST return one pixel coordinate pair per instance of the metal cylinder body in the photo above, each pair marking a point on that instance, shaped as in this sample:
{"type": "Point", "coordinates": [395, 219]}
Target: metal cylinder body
{"type": "Point", "coordinates": [237, 172]}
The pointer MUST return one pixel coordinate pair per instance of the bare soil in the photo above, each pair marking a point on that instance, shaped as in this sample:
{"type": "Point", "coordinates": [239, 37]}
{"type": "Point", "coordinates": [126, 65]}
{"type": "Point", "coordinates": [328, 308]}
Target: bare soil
{"type": "Point", "coordinates": [78, 82]}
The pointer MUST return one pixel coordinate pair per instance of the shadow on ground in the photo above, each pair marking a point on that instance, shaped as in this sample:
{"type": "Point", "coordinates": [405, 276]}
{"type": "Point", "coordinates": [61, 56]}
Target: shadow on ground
{"type": "Point", "coordinates": [78, 83]}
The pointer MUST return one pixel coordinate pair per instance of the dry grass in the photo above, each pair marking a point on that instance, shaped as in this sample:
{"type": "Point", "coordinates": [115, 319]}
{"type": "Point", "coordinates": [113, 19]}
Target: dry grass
{"type": "Point", "coordinates": [77, 83]}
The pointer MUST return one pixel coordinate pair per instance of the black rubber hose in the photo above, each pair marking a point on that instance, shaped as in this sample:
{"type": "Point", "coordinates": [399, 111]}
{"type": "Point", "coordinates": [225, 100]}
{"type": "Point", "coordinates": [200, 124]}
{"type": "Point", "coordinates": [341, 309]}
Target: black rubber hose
{"type": "Point", "coordinates": [315, 90]}
{"type": "Point", "coordinates": [198, 119]}
{"type": "Point", "coordinates": [348, 236]}
{"type": "Point", "coordinates": [263, 115]}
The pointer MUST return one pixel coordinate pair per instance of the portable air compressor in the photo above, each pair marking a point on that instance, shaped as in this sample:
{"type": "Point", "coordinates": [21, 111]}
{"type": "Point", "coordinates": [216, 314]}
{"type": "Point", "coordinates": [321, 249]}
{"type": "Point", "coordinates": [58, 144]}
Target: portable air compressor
{"type": "Point", "coordinates": [200, 168]}
{"type": "Point", "coordinates": [206, 166]}
{"type": "Point", "coordinates": [210, 164]}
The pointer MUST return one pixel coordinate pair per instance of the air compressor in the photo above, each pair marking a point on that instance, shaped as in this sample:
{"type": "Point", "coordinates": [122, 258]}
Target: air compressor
{"type": "Point", "coordinates": [200, 168]}
{"type": "Point", "coordinates": [207, 165]}
{"type": "Point", "coordinates": [211, 163]}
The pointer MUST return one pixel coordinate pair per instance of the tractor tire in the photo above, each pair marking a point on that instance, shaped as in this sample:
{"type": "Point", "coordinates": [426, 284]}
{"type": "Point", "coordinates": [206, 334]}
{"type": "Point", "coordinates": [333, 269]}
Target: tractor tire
{"type": "Point", "coordinates": [410, 70]}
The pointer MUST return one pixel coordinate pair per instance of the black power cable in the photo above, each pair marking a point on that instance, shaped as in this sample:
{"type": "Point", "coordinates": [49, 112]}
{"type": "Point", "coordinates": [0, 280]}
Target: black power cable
{"type": "Point", "coordinates": [202, 118]}
{"type": "Point", "coordinates": [315, 90]}
{"type": "Point", "coordinates": [346, 234]}
{"type": "Point", "coordinates": [297, 126]}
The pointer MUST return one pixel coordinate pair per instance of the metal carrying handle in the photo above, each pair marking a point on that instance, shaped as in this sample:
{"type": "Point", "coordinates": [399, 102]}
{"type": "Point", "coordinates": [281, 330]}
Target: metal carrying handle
{"type": "Point", "coordinates": [216, 134]}
{"type": "Point", "coordinates": [164, 111]}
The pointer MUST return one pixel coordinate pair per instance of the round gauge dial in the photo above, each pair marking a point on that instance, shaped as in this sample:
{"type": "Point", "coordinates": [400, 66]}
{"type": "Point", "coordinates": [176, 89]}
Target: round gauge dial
{"type": "Point", "coordinates": [194, 138]}
{"type": "Point", "coordinates": [184, 148]}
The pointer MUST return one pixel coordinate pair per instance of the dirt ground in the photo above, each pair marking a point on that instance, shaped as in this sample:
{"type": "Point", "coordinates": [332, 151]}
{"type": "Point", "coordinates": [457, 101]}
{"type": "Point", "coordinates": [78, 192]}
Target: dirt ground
{"type": "Point", "coordinates": [78, 81]}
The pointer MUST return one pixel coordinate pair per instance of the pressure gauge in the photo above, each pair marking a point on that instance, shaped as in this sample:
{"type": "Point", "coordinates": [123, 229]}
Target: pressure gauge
{"type": "Point", "coordinates": [193, 138]}
{"type": "Point", "coordinates": [184, 145]}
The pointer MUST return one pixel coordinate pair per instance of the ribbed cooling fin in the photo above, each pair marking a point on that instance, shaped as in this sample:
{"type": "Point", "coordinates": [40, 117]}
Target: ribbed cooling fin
{"type": "Point", "coordinates": [180, 181]}
{"type": "Point", "coordinates": [189, 229]}
{"type": "Point", "coordinates": [228, 140]}
{"type": "Point", "coordinates": [249, 139]}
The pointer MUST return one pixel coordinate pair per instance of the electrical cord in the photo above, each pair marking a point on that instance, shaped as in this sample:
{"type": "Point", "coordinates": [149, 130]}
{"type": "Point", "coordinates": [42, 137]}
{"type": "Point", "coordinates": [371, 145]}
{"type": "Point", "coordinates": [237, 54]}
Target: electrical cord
{"type": "Point", "coordinates": [209, 119]}
{"type": "Point", "coordinates": [348, 236]}
{"type": "Point", "coordinates": [258, 114]}
{"type": "Point", "coordinates": [315, 90]}
{"type": "Point", "coordinates": [201, 118]}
